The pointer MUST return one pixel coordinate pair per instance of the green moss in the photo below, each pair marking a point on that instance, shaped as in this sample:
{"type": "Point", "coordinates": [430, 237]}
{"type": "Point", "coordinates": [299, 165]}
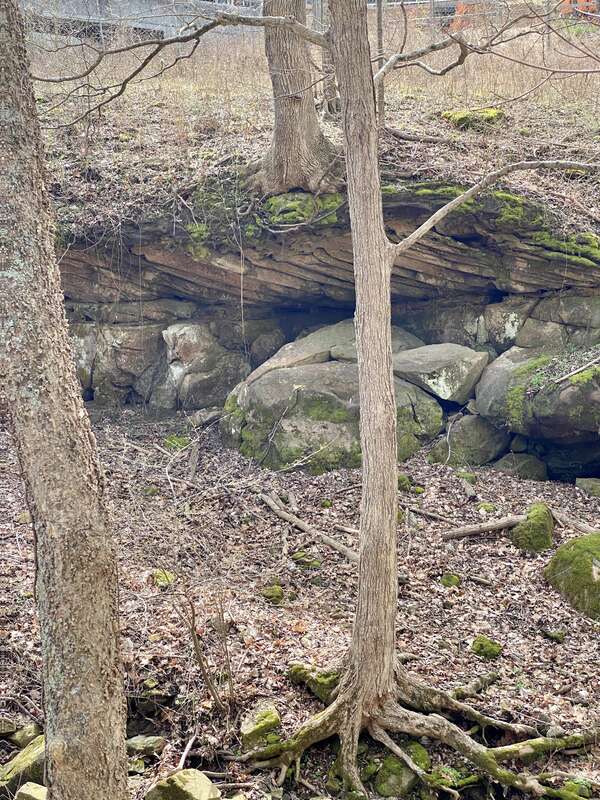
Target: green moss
{"type": "Point", "coordinates": [404, 482]}
{"type": "Point", "coordinates": [326, 503]}
{"type": "Point", "coordinates": [489, 508]}
{"type": "Point", "coordinates": [321, 682]}
{"type": "Point", "coordinates": [323, 409]}
{"type": "Point", "coordinates": [558, 635]}
{"type": "Point", "coordinates": [199, 233]}
{"type": "Point", "coordinates": [150, 491]}
{"type": "Point", "coordinates": [469, 477]}
{"type": "Point", "coordinates": [486, 648]}
{"type": "Point", "coordinates": [27, 765]}
{"type": "Point", "coordinates": [418, 490]}
{"type": "Point", "coordinates": [534, 535]}
{"type": "Point", "coordinates": [253, 442]}
{"type": "Point", "coordinates": [582, 248]}
{"type": "Point", "coordinates": [419, 755]}
{"type": "Point", "coordinates": [395, 779]}
{"type": "Point", "coordinates": [449, 579]}
{"type": "Point", "coordinates": [586, 376]}
{"type": "Point", "coordinates": [575, 572]}
{"type": "Point", "coordinates": [515, 406]}
{"type": "Point", "coordinates": [305, 561]}
{"type": "Point", "coordinates": [293, 208]}
{"type": "Point", "coordinates": [162, 578]}
{"type": "Point", "coordinates": [389, 188]}
{"type": "Point", "coordinates": [176, 441]}
{"type": "Point", "coordinates": [258, 726]}
{"type": "Point", "coordinates": [474, 120]}
{"type": "Point", "coordinates": [579, 786]}
{"type": "Point", "coordinates": [532, 365]}
{"type": "Point", "coordinates": [274, 594]}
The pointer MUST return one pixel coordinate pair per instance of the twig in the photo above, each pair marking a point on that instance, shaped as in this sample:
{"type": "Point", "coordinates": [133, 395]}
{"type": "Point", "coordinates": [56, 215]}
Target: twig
{"type": "Point", "coordinates": [275, 506]}
{"type": "Point", "coordinates": [186, 752]}
{"type": "Point", "coordinates": [567, 521]}
{"type": "Point", "coordinates": [476, 686]}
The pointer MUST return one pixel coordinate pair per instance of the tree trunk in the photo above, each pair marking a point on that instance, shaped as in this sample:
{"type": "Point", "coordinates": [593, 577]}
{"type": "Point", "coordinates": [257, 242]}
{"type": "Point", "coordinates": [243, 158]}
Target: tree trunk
{"type": "Point", "coordinates": [331, 100]}
{"type": "Point", "coordinates": [300, 157]}
{"type": "Point", "coordinates": [76, 580]}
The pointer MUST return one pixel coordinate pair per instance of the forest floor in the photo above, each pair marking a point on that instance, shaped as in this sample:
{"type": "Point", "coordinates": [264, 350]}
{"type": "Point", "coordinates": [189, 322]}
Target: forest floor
{"type": "Point", "coordinates": [196, 512]}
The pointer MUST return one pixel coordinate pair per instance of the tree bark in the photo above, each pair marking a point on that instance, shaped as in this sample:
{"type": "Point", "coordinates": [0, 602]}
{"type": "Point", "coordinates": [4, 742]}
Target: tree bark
{"type": "Point", "coordinates": [300, 156]}
{"type": "Point", "coordinates": [76, 579]}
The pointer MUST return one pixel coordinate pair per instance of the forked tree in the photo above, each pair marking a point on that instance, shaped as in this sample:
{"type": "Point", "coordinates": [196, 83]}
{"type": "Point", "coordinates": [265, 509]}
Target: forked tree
{"type": "Point", "coordinates": [377, 694]}
{"type": "Point", "coordinates": [76, 576]}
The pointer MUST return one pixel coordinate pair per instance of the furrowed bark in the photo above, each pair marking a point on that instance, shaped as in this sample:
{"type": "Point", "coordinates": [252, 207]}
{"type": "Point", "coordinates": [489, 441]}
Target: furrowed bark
{"type": "Point", "coordinates": [76, 581]}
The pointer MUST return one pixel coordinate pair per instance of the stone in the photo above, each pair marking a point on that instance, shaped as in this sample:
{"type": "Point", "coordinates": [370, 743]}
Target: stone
{"type": "Point", "coordinates": [138, 313]}
{"type": "Point", "coordinates": [438, 321]}
{"type": "Point", "coordinates": [522, 465]}
{"type": "Point", "coordinates": [590, 486]}
{"type": "Point", "coordinates": [534, 535]}
{"type": "Point", "coordinates": [518, 444]}
{"type": "Point", "coordinates": [205, 417]}
{"type": "Point", "coordinates": [187, 784]}
{"type": "Point", "coordinates": [321, 682]}
{"type": "Point", "coordinates": [31, 791]}
{"type": "Point", "coordinates": [574, 571]}
{"type": "Point", "coordinates": [259, 725]}
{"type": "Point", "coordinates": [539, 334]}
{"type": "Point", "coordinates": [273, 593]}
{"type": "Point", "coordinates": [515, 393]}
{"type": "Point", "coordinates": [200, 372]}
{"type": "Point", "coordinates": [26, 735]}
{"type": "Point", "coordinates": [450, 579]}
{"type": "Point", "coordinates": [26, 766]}
{"type": "Point", "coordinates": [504, 321]}
{"type": "Point", "coordinates": [486, 648]}
{"type": "Point", "coordinates": [266, 345]}
{"type": "Point", "coordinates": [146, 745]}
{"type": "Point", "coordinates": [479, 119]}
{"type": "Point", "coordinates": [309, 415]}
{"type": "Point", "coordinates": [395, 778]}
{"type": "Point", "coordinates": [472, 441]}
{"type": "Point", "coordinates": [448, 371]}
{"type": "Point", "coordinates": [401, 340]}
{"type": "Point", "coordinates": [7, 726]}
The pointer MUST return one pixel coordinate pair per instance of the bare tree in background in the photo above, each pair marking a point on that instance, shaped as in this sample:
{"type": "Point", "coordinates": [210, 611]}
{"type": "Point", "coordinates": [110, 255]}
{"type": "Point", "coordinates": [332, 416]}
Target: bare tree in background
{"type": "Point", "coordinates": [76, 577]}
{"type": "Point", "coordinates": [300, 156]}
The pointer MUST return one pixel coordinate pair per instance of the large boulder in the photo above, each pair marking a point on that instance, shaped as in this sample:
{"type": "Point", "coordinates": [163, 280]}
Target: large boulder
{"type": "Point", "coordinates": [522, 465]}
{"type": "Point", "coordinates": [448, 371]}
{"type": "Point", "coordinates": [574, 571]}
{"type": "Point", "coordinates": [187, 784]}
{"type": "Point", "coordinates": [310, 414]}
{"type": "Point", "coordinates": [515, 392]}
{"type": "Point", "coordinates": [26, 766]}
{"type": "Point", "coordinates": [200, 371]}
{"type": "Point", "coordinates": [471, 441]}
{"type": "Point", "coordinates": [503, 321]}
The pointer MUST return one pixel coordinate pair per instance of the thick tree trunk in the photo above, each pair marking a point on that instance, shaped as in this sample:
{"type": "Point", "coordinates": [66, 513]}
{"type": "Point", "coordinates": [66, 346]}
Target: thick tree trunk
{"type": "Point", "coordinates": [300, 157]}
{"type": "Point", "coordinates": [76, 581]}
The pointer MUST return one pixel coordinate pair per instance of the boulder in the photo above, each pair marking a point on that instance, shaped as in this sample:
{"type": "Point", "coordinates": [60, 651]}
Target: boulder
{"type": "Point", "coordinates": [574, 571]}
{"type": "Point", "coordinates": [25, 735]}
{"type": "Point", "coordinates": [200, 371]}
{"type": "Point", "coordinates": [590, 486]}
{"type": "Point", "coordinates": [540, 334]}
{"type": "Point", "coordinates": [310, 413]}
{"type": "Point", "coordinates": [503, 321]}
{"type": "Point", "coordinates": [472, 441]}
{"type": "Point", "coordinates": [448, 371]}
{"type": "Point", "coordinates": [534, 535]}
{"type": "Point", "coordinates": [579, 312]}
{"type": "Point", "coordinates": [259, 725]}
{"type": "Point", "coordinates": [26, 766]}
{"type": "Point", "coordinates": [139, 313]}
{"type": "Point", "coordinates": [32, 791]}
{"type": "Point", "coordinates": [522, 465]}
{"type": "Point", "coordinates": [515, 392]}
{"type": "Point", "coordinates": [188, 784]}
{"type": "Point", "coordinates": [321, 682]}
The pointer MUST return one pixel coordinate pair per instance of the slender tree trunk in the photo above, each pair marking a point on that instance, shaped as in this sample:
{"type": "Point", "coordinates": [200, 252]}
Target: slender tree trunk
{"type": "Point", "coordinates": [300, 157]}
{"type": "Point", "coordinates": [381, 62]}
{"type": "Point", "coordinates": [331, 100]}
{"type": "Point", "coordinates": [76, 580]}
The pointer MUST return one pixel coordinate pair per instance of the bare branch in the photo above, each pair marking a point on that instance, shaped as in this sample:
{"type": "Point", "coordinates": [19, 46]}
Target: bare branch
{"type": "Point", "coordinates": [487, 180]}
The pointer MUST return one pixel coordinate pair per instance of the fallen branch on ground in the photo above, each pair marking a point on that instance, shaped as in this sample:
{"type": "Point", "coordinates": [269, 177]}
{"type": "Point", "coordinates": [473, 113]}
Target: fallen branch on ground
{"type": "Point", "coordinates": [484, 527]}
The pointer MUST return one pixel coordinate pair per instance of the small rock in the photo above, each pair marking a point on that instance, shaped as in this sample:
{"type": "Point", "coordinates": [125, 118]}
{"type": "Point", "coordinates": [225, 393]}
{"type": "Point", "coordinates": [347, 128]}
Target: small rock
{"type": "Point", "coordinates": [554, 635]}
{"type": "Point", "coordinates": [24, 518]}
{"type": "Point", "coordinates": [486, 508]}
{"type": "Point", "coordinates": [162, 578]}
{"type": "Point", "coordinates": [486, 648]}
{"type": "Point", "coordinates": [136, 766]}
{"type": "Point", "coordinates": [146, 745]}
{"type": "Point", "coordinates": [188, 784]}
{"type": "Point", "coordinates": [305, 561]}
{"type": "Point", "coordinates": [31, 791]}
{"type": "Point", "coordinates": [274, 594]}
{"type": "Point", "coordinates": [321, 682]}
{"type": "Point", "coordinates": [205, 417]}
{"type": "Point", "coordinates": [469, 477]}
{"type": "Point", "coordinates": [258, 726]}
{"type": "Point", "coordinates": [449, 579]}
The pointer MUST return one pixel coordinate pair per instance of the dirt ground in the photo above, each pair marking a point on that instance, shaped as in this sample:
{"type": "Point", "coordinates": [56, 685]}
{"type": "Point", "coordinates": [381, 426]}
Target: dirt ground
{"type": "Point", "coordinates": [196, 512]}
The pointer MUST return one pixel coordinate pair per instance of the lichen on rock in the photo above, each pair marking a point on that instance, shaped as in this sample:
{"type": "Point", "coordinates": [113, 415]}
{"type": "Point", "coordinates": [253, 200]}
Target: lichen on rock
{"type": "Point", "coordinates": [321, 682]}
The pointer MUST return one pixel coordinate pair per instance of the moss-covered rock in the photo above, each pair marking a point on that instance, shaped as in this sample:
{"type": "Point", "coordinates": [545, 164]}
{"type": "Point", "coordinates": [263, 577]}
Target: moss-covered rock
{"type": "Point", "coordinates": [187, 784]}
{"type": "Point", "coordinates": [534, 535]}
{"type": "Point", "coordinates": [487, 508]}
{"type": "Point", "coordinates": [522, 465]}
{"type": "Point", "coordinates": [273, 593]}
{"type": "Point", "coordinates": [590, 486]}
{"type": "Point", "coordinates": [449, 579]}
{"type": "Point", "coordinates": [305, 560]}
{"type": "Point", "coordinates": [469, 477]}
{"type": "Point", "coordinates": [478, 119]}
{"type": "Point", "coordinates": [26, 766]}
{"type": "Point", "coordinates": [321, 682]}
{"type": "Point", "coordinates": [404, 482]}
{"type": "Point", "coordinates": [163, 578]}
{"type": "Point", "coordinates": [574, 571]}
{"type": "Point", "coordinates": [471, 441]}
{"type": "Point", "coordinates": [395, 779]}
{"type": "Point", "coordinates": [259, 725]}
{"type": "Point", "coordinates": [579, 786]}
{"type": "Point", "coordinates": [486, 648]}
{"type": "Point", "coordinates": [146, 745]}
{"type": "Point", "coordinates": [25, 735]}
{"type": "Point", "coordinates": [293, 208]}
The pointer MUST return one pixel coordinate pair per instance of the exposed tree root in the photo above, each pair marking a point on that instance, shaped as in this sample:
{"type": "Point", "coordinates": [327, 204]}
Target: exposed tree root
{"type": "Point", "coordinates": [416, 710]}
